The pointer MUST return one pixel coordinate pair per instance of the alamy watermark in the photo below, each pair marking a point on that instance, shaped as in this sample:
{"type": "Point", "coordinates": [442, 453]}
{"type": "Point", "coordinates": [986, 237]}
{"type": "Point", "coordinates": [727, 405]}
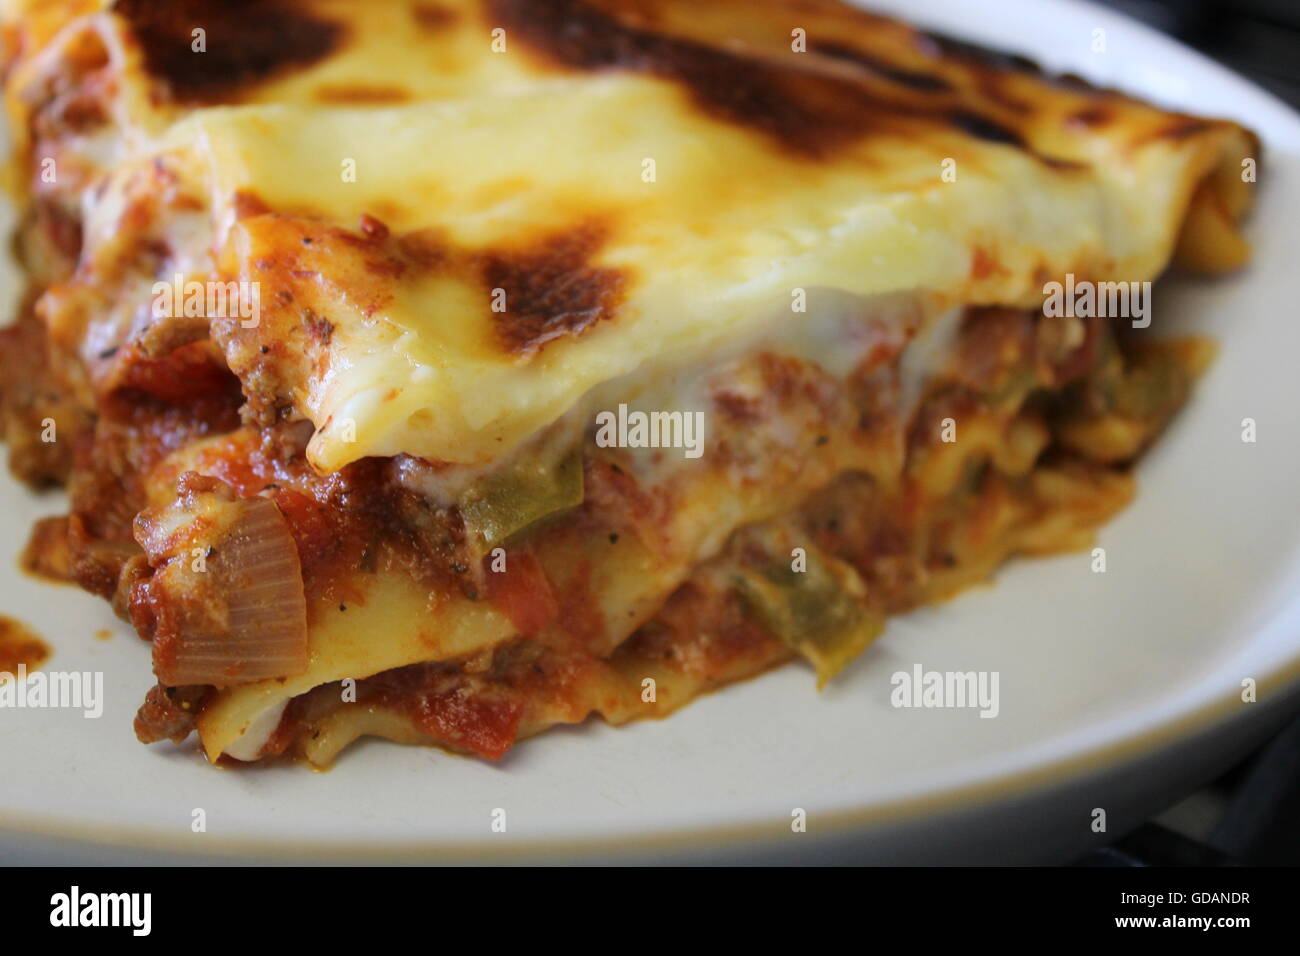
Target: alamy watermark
{"type": "Point", "coordinates": [1103, 300]}
{"type": "Point", "coordinates": [976, 690]}
{"type": "Point", "coordinates": [638, 429]}
{"type": "Point", "coordinates": [74, 908]}
{"type": "Point", "coordinates": [53, 690]}
{"type": "Point", "coordinates": [211, 299]}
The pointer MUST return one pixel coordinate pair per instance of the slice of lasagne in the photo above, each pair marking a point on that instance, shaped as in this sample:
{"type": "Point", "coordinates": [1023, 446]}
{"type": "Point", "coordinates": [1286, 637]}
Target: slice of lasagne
{"type": "Point", "coordinates": [444, 371]}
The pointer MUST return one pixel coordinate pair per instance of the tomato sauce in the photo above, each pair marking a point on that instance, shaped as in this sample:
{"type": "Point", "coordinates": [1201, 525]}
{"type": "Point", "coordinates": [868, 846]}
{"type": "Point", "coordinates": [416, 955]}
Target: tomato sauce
{"type": "Point", "coordinates": [19, 646]}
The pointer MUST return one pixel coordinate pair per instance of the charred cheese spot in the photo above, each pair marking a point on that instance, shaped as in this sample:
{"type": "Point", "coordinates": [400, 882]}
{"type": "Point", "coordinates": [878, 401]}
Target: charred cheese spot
{"type": "Point", "coordinates": [319, 328]}
{"type": "Point", "coordinates": [246, 42]}
{"type": "Point", "coordinates": [806, 113]}
{"type": "Point", "coordinates": [912, 79]}
{"type": "Point", "coordinates": [1091, 117]}
{"type": "Point", "coordinates": [551, 288]}
{"type": "Point", "coordinates": [1183, 127]}
{"type": "Point", "coordinates": [941, 45]}
{"type": "Point", "coordinates": [433, 17]}
{"type": "Point", "coordinates": [981, 127]}
{"type": "Point", "coordinates": [813, 105]}
{"type": "Point", "coordinates": [357, 94]}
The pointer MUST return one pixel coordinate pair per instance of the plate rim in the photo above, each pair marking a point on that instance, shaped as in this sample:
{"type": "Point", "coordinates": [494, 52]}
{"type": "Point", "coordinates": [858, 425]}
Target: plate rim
{"type": "Point", "coordinates": [1282, 681]}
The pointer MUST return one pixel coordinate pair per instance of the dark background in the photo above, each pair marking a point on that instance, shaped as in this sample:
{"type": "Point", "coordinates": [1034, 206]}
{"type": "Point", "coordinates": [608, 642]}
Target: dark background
{"type": "Point", "coordinates": [1259, 39]}
{"type": "Point", "coordinates": [1251, 815]}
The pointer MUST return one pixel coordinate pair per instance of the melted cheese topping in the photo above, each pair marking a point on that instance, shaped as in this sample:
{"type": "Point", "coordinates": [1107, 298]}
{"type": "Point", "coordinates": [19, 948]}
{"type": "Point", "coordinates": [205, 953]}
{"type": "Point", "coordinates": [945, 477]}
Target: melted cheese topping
{"type": "Point", "coordinates": [589, 205]}
{"type": "Point", "coordinates": [725, 234]}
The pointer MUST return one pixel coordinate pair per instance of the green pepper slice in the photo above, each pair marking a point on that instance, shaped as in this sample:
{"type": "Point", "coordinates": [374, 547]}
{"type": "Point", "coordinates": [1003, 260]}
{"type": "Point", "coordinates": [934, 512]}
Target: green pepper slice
{"type": "Point", "coordinates": [508, 502]}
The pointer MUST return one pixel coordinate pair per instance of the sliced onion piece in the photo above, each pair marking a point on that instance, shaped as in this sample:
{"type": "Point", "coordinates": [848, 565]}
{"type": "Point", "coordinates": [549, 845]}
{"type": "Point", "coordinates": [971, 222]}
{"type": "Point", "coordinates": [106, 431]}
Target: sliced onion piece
{"type": "Point", "coordinates": [226, 603]}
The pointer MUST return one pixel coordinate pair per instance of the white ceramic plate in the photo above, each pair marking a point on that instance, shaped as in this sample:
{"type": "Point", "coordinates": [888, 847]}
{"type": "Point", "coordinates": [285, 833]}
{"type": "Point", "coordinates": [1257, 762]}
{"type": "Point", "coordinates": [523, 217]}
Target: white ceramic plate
{"type": "Point", "coordinates": [1096, 670]}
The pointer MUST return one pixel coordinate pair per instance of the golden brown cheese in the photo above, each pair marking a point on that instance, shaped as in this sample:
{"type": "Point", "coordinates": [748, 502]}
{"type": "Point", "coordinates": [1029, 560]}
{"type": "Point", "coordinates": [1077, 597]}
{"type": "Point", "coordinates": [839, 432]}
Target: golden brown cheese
{"type": "Point", "coordinates": [675, 178]}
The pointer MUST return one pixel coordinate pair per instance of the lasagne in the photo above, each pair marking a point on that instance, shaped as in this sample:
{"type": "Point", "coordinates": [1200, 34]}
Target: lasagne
{"type": "Point", "coordinates": [446, 370]}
